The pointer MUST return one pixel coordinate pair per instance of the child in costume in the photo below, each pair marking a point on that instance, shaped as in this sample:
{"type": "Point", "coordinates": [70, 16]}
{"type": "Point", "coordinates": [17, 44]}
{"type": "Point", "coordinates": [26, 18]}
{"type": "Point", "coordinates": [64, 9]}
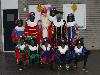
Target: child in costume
{"type": "Point", "coordinates": [20, 51]}
{"type": "Point", "coordinates": [18, 31]}
{"type": "Point", "coordinates": [47, 55]}
{"type": "Point", "coordinates": [52, 14]}
{"type": "Point", "coordinates": [52, 18]}
{"type": "Point", "coordinates": [22, 57]}
{"type": "Point", "coordinates": [32, 28]}
{"type": "Point", "coordinates": [72, 30]}
{"type": "Point", "coordinates": [80, 53]}
{"type": "Point", "coordinates": [60, 28]}
{"type": "Point", "coordinates": [33, 50]}
{"type": "Point", "coordinates": [61, 54]}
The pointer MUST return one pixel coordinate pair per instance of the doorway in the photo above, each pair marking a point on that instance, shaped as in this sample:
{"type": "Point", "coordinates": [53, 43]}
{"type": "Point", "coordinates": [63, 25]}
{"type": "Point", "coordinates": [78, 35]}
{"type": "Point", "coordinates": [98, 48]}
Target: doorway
{"type": "Point", "coordinates": [9, 18]}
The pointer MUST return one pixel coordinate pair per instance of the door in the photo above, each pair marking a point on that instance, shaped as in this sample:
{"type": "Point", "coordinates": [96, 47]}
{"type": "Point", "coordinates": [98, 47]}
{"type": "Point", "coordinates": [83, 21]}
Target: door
{"type": "Point", "coordinates": [9, 18]}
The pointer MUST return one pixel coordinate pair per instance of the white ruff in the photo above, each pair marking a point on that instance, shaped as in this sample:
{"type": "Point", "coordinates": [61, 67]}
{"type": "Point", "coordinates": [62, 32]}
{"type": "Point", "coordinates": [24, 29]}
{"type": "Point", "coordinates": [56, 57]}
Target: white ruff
{"type": "Point", "coordinates": [52, 19]}
{"type": "Point", "coordinates": [19, 28]}
{"type": "Point", "coordinates": [63, 50]}
{"type": "Point", "coordinates": [44, 48]}
{"type": "Point", "coordinates": [31, 24]}
{"type": "Point", "coordinates": [78, 50]}
{"type": "Point", "coordinates": [58, 24]}
{"type": "Point", "coordinates": [69, 24]}
{"type": "Point", "coordinates": [32, 48]}
{"type": "Point", "coordinates": [22, 47]}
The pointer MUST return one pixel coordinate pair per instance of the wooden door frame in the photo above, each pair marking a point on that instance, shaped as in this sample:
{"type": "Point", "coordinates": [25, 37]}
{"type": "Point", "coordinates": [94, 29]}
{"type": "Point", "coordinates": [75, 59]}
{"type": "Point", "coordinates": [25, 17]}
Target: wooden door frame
{"type": "Point", "coordinates": [3, 31]}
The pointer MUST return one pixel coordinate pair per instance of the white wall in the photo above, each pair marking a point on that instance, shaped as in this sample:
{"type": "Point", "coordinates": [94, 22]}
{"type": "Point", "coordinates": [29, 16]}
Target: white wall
{"type": "Point", "coordinates": [9, 4]}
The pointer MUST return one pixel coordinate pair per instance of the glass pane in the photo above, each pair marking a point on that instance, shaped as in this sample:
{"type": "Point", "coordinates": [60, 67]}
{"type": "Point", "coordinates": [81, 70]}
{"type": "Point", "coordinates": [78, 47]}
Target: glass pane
{"type": "Point", "coordinates": [10, 17]}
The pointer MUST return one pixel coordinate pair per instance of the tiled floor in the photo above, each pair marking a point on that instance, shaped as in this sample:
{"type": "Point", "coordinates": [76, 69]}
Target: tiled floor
{"type": "Point", "coordinates": [8, 67]}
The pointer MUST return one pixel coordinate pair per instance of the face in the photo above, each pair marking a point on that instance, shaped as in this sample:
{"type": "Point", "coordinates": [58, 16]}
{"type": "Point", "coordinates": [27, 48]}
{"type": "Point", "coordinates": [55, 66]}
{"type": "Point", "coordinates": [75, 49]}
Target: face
{"type": "Point", "coordinates": [46, 44]}
{"type": "Point", "coordinates": [78, 46]}
{"type": "Point", "coordinates": [62, 45]}
{"type": "Point", "coordinates": [70, 18]}
{"type": "Point", "coordinates": [52, 13]}
{"type": "Point", "coordinates": [58, 19]}
{"type": "Point", "coordinates": [32, 18]}
{"type": "Point", "coordinates": [20, 23]}
{"type": "Point", "coordinates": [21, 42]}
{"type": "Point", "coordinates": [32, 42]}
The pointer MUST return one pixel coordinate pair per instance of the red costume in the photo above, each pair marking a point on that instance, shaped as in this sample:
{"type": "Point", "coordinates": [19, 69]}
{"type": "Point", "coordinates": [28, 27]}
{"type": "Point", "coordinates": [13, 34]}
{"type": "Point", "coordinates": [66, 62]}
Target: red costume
{"type": "Point", "coordinates": [32, 28]}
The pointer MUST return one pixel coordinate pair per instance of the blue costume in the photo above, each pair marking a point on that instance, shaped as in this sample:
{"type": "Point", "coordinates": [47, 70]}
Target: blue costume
{"type": "Point", "coordinates": [61, 56]}
{"type": "Point", "coordinates": [72, 30]}
{"type": "Point", "coordinates": [47, 54]}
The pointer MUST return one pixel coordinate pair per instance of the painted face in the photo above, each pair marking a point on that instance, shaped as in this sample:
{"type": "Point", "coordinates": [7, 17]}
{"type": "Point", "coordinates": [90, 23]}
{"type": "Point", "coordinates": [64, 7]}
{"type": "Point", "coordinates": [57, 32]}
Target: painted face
{"type": "Point", "coordinates": [21, 42]}
{"type": "Point", "coordinates": [53, 12]}
{"type": "Point", "coordinates": [62, 45]}
{"type": "Point", "coordinates": [70, 18]}
{"type": "Point", "coordinates": [20, 23]}
{"type": "Point", "coordinates": [78, 46]}
{"type": "Point", "coordinates": [58, 19]}
{"type": "Point", "coordinates": [46, 44]}
{"type": "Point", "coordinates": [32, 43]}
{"type": "Point", "coordinates": [32, 18]}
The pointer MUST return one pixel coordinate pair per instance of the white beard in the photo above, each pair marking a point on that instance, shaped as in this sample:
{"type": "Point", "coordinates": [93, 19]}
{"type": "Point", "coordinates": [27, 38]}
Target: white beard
{"type": "Point", "coordinates": [45, 21]}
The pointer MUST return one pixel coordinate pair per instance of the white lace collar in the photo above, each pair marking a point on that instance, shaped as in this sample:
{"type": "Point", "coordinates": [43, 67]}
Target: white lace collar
{"type": "Point", "coordinates": [69, 24]}
{"type": "Point", "coordinates": [78, 50]}
{"type": "Point", "coordinates": [31, 24]}
{"type": "Point", "coordinates": [19, 28]}
{"type": "Point", "coordinates": [63, 50]}
{"type": "Point", "coordinates": [32, 48]}
{"type": "Point", "coordinates": [58, 24]}
{"type": "Point", "coordinates": [22, 47]}
{"type": "Point", "coordinates": [52, 19]}
{"type": "Point", "coordinates": [44, 48]}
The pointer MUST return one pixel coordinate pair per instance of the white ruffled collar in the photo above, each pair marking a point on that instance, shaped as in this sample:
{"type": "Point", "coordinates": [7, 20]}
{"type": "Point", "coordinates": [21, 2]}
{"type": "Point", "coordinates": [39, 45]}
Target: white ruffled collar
{"type": "Point", "coordinates": [22, 47]}
{"type": "Point", "coordinates": [19, 28]}
{"type": "Point", "coordinates": [58, 24]}
{"type": "Point", "coordinates": [32, 48]}
{"type": "Point", "coordinates": [69, 24]}
{"type": "Point", "coordinates": [52, 19]}
{"type": "Point", "coordinates": [78, 50]}
{"type": "Point", "coordinates": [31, 24]}
{"type": "Point", "coordinates": [44, 48]}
